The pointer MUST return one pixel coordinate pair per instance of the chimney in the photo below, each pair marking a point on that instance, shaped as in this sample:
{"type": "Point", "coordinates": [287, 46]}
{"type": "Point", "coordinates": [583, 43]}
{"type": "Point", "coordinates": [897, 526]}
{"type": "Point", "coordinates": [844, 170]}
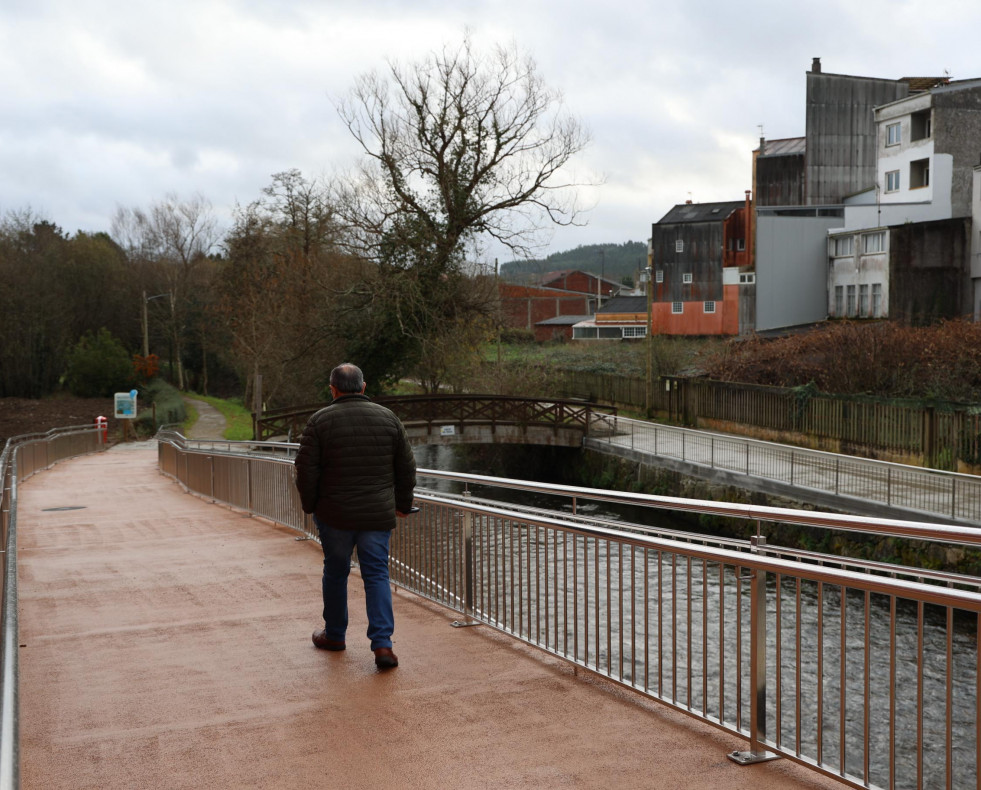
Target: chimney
{"type": "Point", "coordinates": [815, 65]}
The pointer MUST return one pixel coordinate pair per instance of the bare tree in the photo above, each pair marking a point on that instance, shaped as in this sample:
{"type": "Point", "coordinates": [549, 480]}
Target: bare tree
{"type": "Point", "coordinates": [277, 287]}
{"type": "Point", "coordinates": [461, 144]}
{"type": "Point", "coordinates": [172, 239]}
{"type": "Point", "coordinates": [460, 149]}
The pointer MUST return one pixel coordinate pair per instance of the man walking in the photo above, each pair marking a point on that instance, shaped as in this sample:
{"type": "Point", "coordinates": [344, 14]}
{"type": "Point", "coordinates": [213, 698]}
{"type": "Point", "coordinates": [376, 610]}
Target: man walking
{"type": "Point", "coordinates": [355, 474]}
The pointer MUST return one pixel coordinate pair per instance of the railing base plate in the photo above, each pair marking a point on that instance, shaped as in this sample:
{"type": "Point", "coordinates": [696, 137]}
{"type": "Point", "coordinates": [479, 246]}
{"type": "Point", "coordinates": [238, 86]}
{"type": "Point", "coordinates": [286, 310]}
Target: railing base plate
{"type": "Point", "coordinates": [750, 758]}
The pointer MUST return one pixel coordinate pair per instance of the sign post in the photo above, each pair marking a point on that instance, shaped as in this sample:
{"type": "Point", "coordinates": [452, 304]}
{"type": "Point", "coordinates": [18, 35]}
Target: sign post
{"type": "Point", "coordinates": [125, 406]}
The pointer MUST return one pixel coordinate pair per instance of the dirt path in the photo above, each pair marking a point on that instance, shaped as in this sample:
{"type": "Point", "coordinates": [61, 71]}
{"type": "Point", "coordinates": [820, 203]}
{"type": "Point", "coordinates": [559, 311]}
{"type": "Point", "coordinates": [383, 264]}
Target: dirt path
{"type": "Point", "coordinates": [211, 423]}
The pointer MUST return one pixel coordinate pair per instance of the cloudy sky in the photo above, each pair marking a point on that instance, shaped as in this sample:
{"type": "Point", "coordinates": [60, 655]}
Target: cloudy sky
{"type": "Point", "coordinates": [105, 103]}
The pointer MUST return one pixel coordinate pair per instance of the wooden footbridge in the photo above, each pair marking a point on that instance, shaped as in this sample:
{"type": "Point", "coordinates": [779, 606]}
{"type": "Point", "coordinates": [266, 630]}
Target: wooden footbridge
{"type": "Point", "coordinates": [474, 419]}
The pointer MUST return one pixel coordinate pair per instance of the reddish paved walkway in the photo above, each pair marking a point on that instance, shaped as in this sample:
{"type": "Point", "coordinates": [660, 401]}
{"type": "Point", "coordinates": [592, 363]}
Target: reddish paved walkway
{"type": "Point", "coordinates": [166, 644]}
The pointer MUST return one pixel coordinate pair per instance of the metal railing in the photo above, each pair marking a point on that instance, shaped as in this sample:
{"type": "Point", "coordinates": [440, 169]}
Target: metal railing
{"type": "Point", "coordinates": [862, 483]}
{"type": "Point", "coordinates": [863, 671]}
{"type": "Point", "coordinates": [21, 458]}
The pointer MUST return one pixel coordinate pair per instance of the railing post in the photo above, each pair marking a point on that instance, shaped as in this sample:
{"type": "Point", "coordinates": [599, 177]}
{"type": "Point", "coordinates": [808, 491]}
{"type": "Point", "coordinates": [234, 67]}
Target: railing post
{"type": "Point", "coordinates": [468, 574]}
{"type": "Point", "coordinates": [757, 667]}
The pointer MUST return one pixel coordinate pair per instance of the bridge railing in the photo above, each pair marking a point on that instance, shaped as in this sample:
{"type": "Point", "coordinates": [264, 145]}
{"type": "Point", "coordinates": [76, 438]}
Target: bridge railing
{"type": "Point", "coordinates": [866, 672]}
{"type": "Point", "coordinates": [932, 492]}
{"type": "Point", "coordinates": [21, 458]}
{"type": "Point", "coordinates": [461, 410]}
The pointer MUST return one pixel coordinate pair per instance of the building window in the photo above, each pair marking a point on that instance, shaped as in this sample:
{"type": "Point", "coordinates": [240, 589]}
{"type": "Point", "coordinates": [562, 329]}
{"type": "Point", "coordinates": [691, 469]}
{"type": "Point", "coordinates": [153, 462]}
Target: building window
{"type": "Point", "coordinates": [677, 308]}
{"type": "Point", "coordinates": [892, 181]}
{"type": "Point", "coordinates": [877, 300]}
{"type": "Point", "coordinates": [842, 246]}
{"type": "Point", "coordinates": [708, 307]}
{"type": "Point", "coordinates": [894, 134]}
{"type": "Point", "coordinates": [679, 246]}
{"type": "Point", "coordinates": [747, 279]}
{"type": "Point", "coordinates": [634, 331]}
{"type": "Point", "coordinates": [875, 242]}
{"type": "Point", "coordinates": [919, 173]}
{"type": "Point", "coordinates": [920, 126]}
{"type": "Point", "coordinates": [839, 301]}
{"type": "Point", "coordinates": [659, 276]}
{"type": "Point", "coordinates": [850, 301]}
{"type": "Point", "coordinates": [863, 301]}
{"type": "Point", "coordinates": [686, 277]}
{"type": "Point", "coordinates": [740, 245]}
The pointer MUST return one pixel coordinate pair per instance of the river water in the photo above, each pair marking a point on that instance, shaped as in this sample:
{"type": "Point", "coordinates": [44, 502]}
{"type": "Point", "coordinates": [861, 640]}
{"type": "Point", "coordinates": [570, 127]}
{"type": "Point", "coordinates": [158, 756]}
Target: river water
{"type": "Point", "coordinates": [699, 677]}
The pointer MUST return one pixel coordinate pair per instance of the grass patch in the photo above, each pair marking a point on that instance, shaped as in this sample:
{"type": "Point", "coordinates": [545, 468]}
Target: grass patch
{"type": "Point", "coordinates": [629, 358]}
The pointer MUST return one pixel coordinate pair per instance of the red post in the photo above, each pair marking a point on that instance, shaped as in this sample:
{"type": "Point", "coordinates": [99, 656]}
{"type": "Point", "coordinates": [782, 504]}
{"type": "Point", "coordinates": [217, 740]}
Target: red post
{"type": "Point", "coordinates": [102, 427]}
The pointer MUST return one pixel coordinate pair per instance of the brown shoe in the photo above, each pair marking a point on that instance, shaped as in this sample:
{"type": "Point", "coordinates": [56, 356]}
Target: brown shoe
{"type": "Point", "coordinates": [385, 658]}
{"type": "Point", "coordinates": [320, 640]}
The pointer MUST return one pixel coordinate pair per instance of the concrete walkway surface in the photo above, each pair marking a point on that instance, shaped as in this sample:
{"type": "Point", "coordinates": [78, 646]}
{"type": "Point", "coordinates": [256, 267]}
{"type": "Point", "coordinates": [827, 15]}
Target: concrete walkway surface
{"type": "Point", "coordinates": [165, 643]}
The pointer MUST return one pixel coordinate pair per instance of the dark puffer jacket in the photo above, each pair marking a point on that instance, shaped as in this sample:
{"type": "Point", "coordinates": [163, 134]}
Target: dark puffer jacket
{"type": "Point", "coordinates": [355, 467]}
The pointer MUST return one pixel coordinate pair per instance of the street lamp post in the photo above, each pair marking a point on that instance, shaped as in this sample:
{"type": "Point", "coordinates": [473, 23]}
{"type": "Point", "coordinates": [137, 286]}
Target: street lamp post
{"type": "Point", "coordinates": [146, 330]}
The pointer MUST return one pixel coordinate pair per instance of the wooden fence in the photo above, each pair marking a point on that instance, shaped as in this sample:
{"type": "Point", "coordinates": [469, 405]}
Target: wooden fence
{"type": "Point", "coordinates": [940, 435]}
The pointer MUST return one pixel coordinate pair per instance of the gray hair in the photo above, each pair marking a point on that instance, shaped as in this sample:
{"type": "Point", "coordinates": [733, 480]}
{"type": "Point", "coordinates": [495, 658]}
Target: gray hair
{"type": "Point", "coordinates": [347, 378]}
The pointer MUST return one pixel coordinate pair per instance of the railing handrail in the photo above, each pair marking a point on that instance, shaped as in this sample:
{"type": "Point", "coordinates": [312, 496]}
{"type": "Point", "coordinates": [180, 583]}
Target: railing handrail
{"type": "Point", "coordinates": [9, 628]}
{"type": "Point", "coordinates": [887, 527]}
{"type": "Point", "coordinates": [930, 593]}
{"type": "Point", "coordinates": [791, 448]}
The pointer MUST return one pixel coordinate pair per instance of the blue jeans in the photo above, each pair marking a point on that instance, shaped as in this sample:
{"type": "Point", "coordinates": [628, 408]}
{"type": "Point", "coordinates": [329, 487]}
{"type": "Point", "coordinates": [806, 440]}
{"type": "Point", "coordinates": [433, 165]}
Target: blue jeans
{"type": "Point", "coordinates": [338, 545]}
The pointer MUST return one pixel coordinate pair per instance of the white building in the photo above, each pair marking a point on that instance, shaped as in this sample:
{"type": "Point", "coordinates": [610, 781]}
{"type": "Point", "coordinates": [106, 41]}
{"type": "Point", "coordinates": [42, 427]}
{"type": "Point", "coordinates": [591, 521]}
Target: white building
{"type": "Point", "coordinates": [895, 255]}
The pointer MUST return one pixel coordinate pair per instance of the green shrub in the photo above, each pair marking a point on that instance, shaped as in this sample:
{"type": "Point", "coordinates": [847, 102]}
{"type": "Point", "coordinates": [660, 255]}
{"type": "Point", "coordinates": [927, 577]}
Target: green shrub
{"type": "Point", "coordinates": [160, 399]}
{"type": "Point", "coordinates": [98, 366]}
{"type": "Point", "coordinates": [517, 336]}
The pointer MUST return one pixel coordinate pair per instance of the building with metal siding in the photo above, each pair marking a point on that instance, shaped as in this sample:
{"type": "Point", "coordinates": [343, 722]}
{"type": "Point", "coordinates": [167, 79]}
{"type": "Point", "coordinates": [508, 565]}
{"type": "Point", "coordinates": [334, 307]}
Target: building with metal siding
{"type": "Point", "coordinates": [778, 172]}
{"type": "Point", "coordinates": [697, 252]}
{"type": "Point", "coordinates": [841, 132]}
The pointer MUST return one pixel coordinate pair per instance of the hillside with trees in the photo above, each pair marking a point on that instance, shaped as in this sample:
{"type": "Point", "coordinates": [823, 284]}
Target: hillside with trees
{"type": "Point", "coordinates": [613, 261]}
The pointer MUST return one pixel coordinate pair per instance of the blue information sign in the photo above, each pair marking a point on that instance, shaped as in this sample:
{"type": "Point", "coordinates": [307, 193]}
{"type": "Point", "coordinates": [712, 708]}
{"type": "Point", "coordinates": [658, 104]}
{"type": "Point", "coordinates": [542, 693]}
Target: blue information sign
{"type": "Point", "coordinates": [125, 405]}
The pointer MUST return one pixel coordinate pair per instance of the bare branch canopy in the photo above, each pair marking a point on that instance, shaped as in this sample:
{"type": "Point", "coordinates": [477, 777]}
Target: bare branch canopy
{"type": "Point", "coordinates": [458, 146]}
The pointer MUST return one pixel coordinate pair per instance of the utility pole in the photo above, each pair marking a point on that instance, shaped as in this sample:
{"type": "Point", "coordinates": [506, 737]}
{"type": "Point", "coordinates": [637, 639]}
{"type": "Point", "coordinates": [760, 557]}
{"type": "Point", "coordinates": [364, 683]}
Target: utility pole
{"type": "Point", "coordinates": [649, 391]}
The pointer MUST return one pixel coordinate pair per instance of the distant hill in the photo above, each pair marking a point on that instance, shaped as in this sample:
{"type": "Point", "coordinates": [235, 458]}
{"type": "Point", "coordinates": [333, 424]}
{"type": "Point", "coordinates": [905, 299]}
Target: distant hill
{"type": "Point", "coordinates": [613, 261]}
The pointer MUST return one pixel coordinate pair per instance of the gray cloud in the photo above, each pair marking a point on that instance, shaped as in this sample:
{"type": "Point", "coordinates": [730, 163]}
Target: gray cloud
{"type": "Point", "coordinates": [107, 103]}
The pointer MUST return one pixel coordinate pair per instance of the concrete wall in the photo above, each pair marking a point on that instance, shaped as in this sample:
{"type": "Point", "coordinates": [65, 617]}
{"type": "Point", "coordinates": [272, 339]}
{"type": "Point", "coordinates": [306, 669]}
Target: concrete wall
{"type": "Point", "coordinates": [957, 131]}
{"type": "Point", "coordinates": [976, 240]}
{"type": "Point", "coordinates": [929, 273]}
{"type": "Point", "coordinates": [791, 270]}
